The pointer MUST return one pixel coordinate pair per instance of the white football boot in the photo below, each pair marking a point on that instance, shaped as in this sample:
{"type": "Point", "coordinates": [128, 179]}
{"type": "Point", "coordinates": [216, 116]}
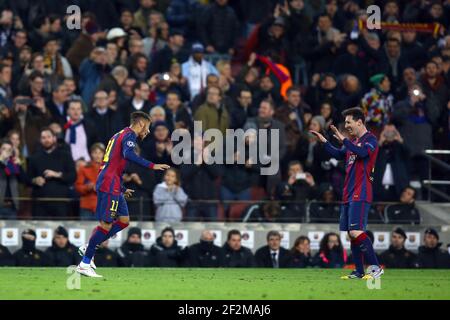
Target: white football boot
{"type": "Point", "coordinates": [86, 270]}
{"type": "Point", "coordinates": [82, 251]}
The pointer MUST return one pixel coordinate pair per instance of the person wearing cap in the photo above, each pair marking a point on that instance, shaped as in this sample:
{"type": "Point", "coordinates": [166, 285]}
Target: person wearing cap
{"type": "Point", "coordinates": [397, 256]}
{"type": "Point", "coordinates": [196, 70]}
{"type": "Point", "coordinates": [431, 256]}
{"type": "Point", "coordinates": [82, 47]}
{"type": "Point", "coordinates": [378, 102]}
{"type": "Point", "coordinates": [62, 253]}
{"type": "Point", "coordinates": [172, 52]}
{"type": "Point", "coordinates": [131, 252]}
{"type": "Point", "coordinates": [28, 255]}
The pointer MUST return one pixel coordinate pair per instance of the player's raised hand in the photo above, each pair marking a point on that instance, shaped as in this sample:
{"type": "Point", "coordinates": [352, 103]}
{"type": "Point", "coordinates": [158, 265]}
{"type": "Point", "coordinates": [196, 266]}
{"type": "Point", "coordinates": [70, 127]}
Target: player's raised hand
{"type": "Point", "coordinates": [128, 193]}
{"type": "Point", "coordinates": [319, 136]}
{"type": "Point", "coordinates": [337, 134]}
{"type": "Point", "coordinates": [161, 167]}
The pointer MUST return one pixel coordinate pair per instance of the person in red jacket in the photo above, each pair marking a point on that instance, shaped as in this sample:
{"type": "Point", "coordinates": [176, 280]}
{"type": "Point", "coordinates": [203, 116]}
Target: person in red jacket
{"type": "Point", "coordinates": [85, 183]}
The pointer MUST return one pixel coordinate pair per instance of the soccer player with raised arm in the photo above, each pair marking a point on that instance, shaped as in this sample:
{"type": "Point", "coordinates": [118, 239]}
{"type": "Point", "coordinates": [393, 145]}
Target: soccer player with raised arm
{"type": "Point", "coordinates": [360, 154]}
{"type": "Point", "coordinates": [112, 210]}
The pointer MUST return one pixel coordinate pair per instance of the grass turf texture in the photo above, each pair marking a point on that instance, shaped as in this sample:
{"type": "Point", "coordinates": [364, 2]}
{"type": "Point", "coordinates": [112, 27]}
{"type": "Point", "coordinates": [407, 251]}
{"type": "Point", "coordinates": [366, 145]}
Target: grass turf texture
{"type": "Point", "coordinates": [232, 284]}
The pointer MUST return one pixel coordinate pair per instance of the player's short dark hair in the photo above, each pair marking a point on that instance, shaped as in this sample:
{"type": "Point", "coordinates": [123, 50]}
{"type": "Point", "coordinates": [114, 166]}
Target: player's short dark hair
{"type": "Point", "coordinates": [233, 232]}
{"type": "Point", "coordinates": [356, 113]}
{"type": "Point", "coordinates": [139, 115]}
{"type": "Point", "coordinates": [273, 233]}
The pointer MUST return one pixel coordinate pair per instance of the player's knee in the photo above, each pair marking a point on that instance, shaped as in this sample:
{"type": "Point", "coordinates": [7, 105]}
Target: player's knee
{"type": "Point", "coordinates": [353, 234]}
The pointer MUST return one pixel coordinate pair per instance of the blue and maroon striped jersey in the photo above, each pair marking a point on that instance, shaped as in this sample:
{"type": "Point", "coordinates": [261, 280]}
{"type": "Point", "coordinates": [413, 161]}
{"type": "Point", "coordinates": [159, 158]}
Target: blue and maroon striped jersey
{"type": "Point", "coordinates": [120, 149]}
{"type": "Point", "coordinates": [360, 156]}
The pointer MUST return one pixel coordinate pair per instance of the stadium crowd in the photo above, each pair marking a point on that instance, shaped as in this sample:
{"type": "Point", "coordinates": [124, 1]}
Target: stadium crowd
{"type": "Point", "coordinates": [165, 252]}
{"type": "Point", "coordinates": [292, 65]}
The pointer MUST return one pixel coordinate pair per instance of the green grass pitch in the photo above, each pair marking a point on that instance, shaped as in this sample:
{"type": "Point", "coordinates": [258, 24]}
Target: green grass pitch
{"type": "Point", "coordinates": [231, 284]}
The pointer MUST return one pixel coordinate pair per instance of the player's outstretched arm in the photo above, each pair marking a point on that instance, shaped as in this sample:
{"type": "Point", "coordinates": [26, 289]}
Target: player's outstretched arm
{"type": "Point", "coordinates": [335, 152]}
{"type": "Point", "coordinates": [161, 167]}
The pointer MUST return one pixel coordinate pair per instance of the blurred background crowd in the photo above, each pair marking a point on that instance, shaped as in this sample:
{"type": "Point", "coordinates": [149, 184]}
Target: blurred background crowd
{"type": "Point", "coordinates": [291, 65]}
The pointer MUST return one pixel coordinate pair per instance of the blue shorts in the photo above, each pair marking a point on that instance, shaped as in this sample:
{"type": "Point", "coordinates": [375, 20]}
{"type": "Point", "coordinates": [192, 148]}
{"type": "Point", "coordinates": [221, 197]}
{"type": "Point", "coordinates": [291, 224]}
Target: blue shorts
{"type": "Point", "coordinates": [110, 207]}
{"type": "Point", "coordinates": [354, 216]}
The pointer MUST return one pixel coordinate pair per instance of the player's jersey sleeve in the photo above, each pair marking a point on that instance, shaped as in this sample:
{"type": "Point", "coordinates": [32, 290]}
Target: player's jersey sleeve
{"type": "Point", "coordinates": [128, 145]}
{"type": "Point", "coordinates": [363, 151]}
{"type": "Point", "coordinates": [338, 154]}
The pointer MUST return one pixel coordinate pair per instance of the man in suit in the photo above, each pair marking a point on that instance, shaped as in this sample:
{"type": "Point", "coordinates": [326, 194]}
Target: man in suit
{"type": "Point", "coordinates": [273, 255]}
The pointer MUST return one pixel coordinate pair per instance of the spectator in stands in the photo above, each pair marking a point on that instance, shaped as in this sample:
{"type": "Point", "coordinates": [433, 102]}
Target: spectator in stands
{"type": "Point", "coordinates": [166, 252]}
{"type": "Point", "coordinates": [163, 59]}
{"type": "Point", "coordinates": [105, 257]}
{"type": "Point", "coordinates": [62, 253]}
{"type": "Point", "coordinates": [158, 114]}
{"type": "Point", "coordinates": [57, 105]}
{"type": "Point", "coordinates": [11, 174]}
{"type": "Point", "coordinates": [349, 93]}
{"type": "Point", "coordinates": [6, 258]}
{"type": "Point", "coordinates": [237, 179]}
{"type": "Point", "coordinates": [327, 209]}
{"type": "Point", "coordinates": [80, 133]}
{"type": "Point", "coordinates": [331, 252]}
{"type": "Point", "coordinates": [378, 102]}
{"type": "Point", "coordinates": [414, 117]}
{"type": "Point", "coordinates": [28, 118]}
{"type": "Point", "coordinates": [92, 70]}
{"type": "Point", "coordinates": [242, 109]}
{"type": "Point", "coordinates": [81, 48]}
{"type": "Point", "coordinates": [323, 89]}
{"type": "Point", "coordinates": [321, 47]}
{"type": "Point", "coordinates": [213, 114]}
{"type": "Point", "coordinates": [52, 172]}
{"type": "Point", "coordinates": [430, 254]}
{"type": "Point", "coordinates": [85, 182]}
{"type": "Point", "coordinates": [196, 69]}
{"type": "Point", "coordinates": [435, 90]}
{"type": "Point", "coordinates": [301, 253]}
{"type": "Point", "coordinates": [131, 252]}
{"type": "Point", "coordinates": [139, 101]}
{"type": "Point", "coordinates": [219, 28]}
{"type": "Point", "coordinates": [409, 80]}
{"type": "Point", "coordinates": [297, 189]}
{"type": "Point", "coordinates": [236, 255]}
{"type": "Point", "coordinates": [397, 256]}
{"type": "Point", "coordinates": [169, 198]}
{"type": "Point", "coordinates": [273, 255]}
{"type": "Point", "coordinates": [265, 120]}
{"type": "Point", "coordinates": [28, 255]}
{"type": "Point", "coordinates": [205, 254]}
{"type": "Point", "coordinates": [267, 91]}
{"type": "Point", "coordinates": [177, 114]}
{"type": "Point", "coordinates": [141, 16]}
{"type": "Point", "coordinates": [6, 97]}
{"type": "Point", "coordinates": [350, 62]}
{"type": "Point", "coordinates": [394, 60]}
{"type": "Point", "coordinates": [56, 63]}
{"type": "Point", "coordinates": [391, 176]}
{"type": "Point", "coordinates": [139, 67]}
{"type": "Point", "coordinates": [405, 211]}
{"type": "Point", "coordinates": [295, 114]}
{"type": "Point", "coordinates": [106, 120]}
{"type": "Point", "coordinates": [198, 179]}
